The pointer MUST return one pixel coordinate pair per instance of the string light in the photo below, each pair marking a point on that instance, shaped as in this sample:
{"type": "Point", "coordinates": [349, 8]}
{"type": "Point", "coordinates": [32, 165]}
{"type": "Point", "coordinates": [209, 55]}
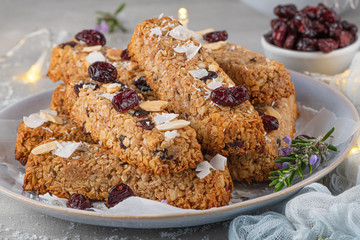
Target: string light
{"type": "Point", "coordinates": [355, 150]}
{"type": "Point", "coordinates": [183, 16]}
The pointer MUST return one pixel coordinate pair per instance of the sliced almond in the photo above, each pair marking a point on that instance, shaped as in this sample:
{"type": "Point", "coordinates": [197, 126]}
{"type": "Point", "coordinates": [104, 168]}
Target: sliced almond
{"type": "Point", "coordinates": [45, 148]}
{"type": "Point", "coordinates": [176, 124]}
{"type": "Point", "coordinates": [272, 112]}
{"type": "Point", "coordinates": [205, 31]}
{"type": "Point", "coordinates": [51, 118]}
{"type": "Point", "coordinates": [111, 87]}
{"type": "Point", "coordinates": [214, 46]}
{"type": "Point", "coordinates": [114, 53]}
{"type": "Point", "coordinates": [92, 48]}
{"type": "Point", "coordinates": [154, 106]}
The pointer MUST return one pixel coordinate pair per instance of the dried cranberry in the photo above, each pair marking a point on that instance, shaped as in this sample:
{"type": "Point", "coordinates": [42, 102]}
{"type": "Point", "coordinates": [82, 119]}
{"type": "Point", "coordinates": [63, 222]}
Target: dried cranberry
{"type": "Point", "coordinates": [216, 36]}
{"type": "Point", "coordinates": [83, 129]}
{"type": "Point", "coordinates": [118, 194]}
{"type": "Point", "coordinates": [326, 15]}
{"type": "Point", "coordinates": [145, 124]}
{"type": "Point", "coordinates": [125, 100]}
{"type": "Point", "coordinates": [125, 55]}
{"type": "Point", "coordinates": [78, 86]}
{"type": "Point", "coordinates": [102, 72]}
{"type": "Point", "coordinates": [327, 45]}
{"type": "Point", "coordinates": [335, 30]}
{"type": "Point", "coordinates": [78, 201]}
{"type": "Point", "coordinates": [229, 187]}
{"type": "Point", "coordinates": [320, 29]}
{"type": "Point", "coordinates": [141, 84]}
{"type": "Point", "coordinates": [345, 39]}
{"type": "Point", "coordinates": [290, 41]}
{"type": "Point", "coordinates": [304, 25]}
{"type": "Point", "coordinates": [285, 11]}
{"type": "Point", "coordinates": [163, 154]}
{"type": "Point", "coordinates": [69, 43]}
{"type": "Point", "coordinates": [139, 113]}
{"type": "Point", "coordinates": [270, 123]}
{"type": "Point", "coordinates": [121, 139]}
{"type": "Point", "coordinates": [279, 34]}
{"type": "Point", "coordinates": [306, 44]}
{"type": "Point", "coordinates": [310, 11]}
{"type": "Point", "coordinates": [276, 22]}
{"type": "Point", "coordinates": [231, 96]}
{"type": "Point", "coordinates": [211, 75]}
{"type": "Point", "coordinates": [91, 37]}
{"type": "Point", "coordinates": [236, 144]}
{"type": "Point", "coordinates": [349, 27]}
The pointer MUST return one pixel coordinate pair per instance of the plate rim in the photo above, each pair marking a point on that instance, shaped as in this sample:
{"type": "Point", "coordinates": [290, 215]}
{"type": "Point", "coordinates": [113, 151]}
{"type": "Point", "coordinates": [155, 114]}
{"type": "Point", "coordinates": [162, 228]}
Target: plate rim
{"type": "Point", "coordinates": [200, 213]}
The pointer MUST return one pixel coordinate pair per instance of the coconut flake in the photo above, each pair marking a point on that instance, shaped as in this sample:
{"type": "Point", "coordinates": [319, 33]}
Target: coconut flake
{"type": "Point", "coordinates": [161, 15]}
{"type": "Point", "coordinates": [35, 120]}
{"type": "Point", "coordinates": [203, 169]}
{"type": "Point", "coordinates": [214, 84]}
{"type": "Point", "coordinates": [155, 31]}
{"type": "Point", "coordinates": [95, 57]}
{"type": "Point", "coordinates": [189, 49]}
{"type": "Point", "coordinates": [218, 162]}
{"type": "Point", "coordinates": [108, 96]}
{"type": "Point", "coordinates": [182, 33]}
{"type": "Point", "coordinates": [171, 134]}
{"type": "Point", "coordinates": [114, 85]}
{"type": "Point", "coordinates": [164, 118]}
{"type": "Point", "coordinates": [89, 86]}
{"type": "Point", "coordinates": [66, 149]}
{"type": "Point", "coordinates": [199, 73]}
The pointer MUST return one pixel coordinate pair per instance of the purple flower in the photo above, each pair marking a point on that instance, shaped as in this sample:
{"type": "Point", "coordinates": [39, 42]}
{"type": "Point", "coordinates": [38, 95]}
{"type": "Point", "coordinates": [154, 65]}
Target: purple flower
{"type": "Point", "coordinates": [287, 140]}
{"type": "Point", "coordinates": [281, 166]}
{"type": "Point", "coordinates": [103, 27]}
{"type": "Point", "coordinates": [313, 159]}
{"type": "Point", "coordinates": [285, 152]}
{"type": "Point", "coordinates": [163, 201]}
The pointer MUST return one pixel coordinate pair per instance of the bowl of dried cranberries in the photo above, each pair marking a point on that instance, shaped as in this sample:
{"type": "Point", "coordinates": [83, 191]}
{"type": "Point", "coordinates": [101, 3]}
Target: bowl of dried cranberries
{"type": "Point", "coordinates": [313, 39]}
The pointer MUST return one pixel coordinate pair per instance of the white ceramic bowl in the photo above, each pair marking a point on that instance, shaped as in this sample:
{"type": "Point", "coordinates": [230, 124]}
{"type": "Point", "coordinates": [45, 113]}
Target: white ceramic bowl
{"type": "Point", "coordinates": [331, 63]}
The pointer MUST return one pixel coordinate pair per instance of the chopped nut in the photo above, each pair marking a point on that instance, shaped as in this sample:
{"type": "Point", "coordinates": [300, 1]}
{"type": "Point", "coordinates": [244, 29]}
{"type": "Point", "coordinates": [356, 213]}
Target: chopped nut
{"type": "Point", "coordinates": [51, 118]}
{"type": "Point", "coordinates": [272, 112]}
{"type": "Point", "coordinates": [213, 68]}
{"type": "Point", "coordinates": [214, 46]}
{"type": "Point", "coordinates": [176, 124]}
{"type": "Point", "coordinates": [114, 53]}
{"type": "Point", "coordinates": [92, 48]}
{"type": "Point", "coordinates": [111, 87]}
{"type": "Point", "coordinates": [205, 31]}
{"type": "Point", "coordinates": [45, 148]}
{"type": "Point", "coordinates": [154, 106]}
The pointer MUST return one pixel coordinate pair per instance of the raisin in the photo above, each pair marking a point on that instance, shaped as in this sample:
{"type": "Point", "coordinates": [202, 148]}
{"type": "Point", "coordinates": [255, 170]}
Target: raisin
{"type": "Point", "coordinates": [285, 11]}
{"type": "Point", "coordinates": [91, 37]}
{"type": "Point", "coordinates": [211, 75]}
{"type": "Point", "coordinates": [141, 84]}
{"type": "Point", "coordinates": [69, 43]}
{"type": "Point", "coordinates": [345, 39]}
{"type": "Point", "coordinates": [121, 139]}
{"type": "Point", "coordinates": [125, 55]}
{"type": "Point", "coordinates": [125, 100]}
{"type": "Point", "coordinates": [216, 36]}
{"type": "Point", "coordinates": [252, 59]}
{"type": "Point", "coordinates": [231, 96]}
{"type": "Point", "coordinates": [118, 194]}
{"type": "Point", "coordinates": [77, 87]}
{"type": "Point", "coordinates": [78, 201]}
{"type": "Point", "coordinates": [270, 122]}
{"type": "Point", "coordinates": [145, 124]}
{"type": "Point", "coordinates": [139, 113]}
{"type": "Point", "coordinates": [327, 45]}
{"type": "Point", "coordinates": [102, 72]}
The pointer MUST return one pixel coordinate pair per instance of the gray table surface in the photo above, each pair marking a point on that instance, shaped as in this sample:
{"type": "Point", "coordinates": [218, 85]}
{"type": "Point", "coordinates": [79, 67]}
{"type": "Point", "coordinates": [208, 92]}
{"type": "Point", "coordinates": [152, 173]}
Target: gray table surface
{"type": "Point", "coordinates": [17, 18]}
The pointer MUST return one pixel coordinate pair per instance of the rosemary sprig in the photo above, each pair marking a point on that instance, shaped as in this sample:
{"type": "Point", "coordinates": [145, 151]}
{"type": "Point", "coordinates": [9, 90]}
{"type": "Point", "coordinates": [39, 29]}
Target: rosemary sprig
{"type": "Point", "coordinates": [110, 20]}
{"type": "Point", "coordinates": [302, 153]}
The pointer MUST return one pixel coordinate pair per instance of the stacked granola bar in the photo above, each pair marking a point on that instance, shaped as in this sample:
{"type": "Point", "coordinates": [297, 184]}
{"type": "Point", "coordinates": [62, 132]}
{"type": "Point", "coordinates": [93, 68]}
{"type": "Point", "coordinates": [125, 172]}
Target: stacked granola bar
{"type": "Point", "coordinates": [146, 116]}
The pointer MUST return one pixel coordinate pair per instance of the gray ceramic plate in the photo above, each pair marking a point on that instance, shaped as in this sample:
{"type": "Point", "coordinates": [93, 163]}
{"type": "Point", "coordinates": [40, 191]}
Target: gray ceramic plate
{"type": "Point", "coordinates": [310, 92]}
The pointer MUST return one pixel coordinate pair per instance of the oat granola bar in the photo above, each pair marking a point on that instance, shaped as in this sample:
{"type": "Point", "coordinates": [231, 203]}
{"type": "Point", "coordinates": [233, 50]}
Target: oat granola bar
{"type": "Point", "coordinates": [95, 171]}
{"type": "Point", "coordinates": [256, 166]}
{"type": "Point", "coordinates": [27, 138]}
{"type": "Point", "coordinates": [266, 79]}
{"type": "Point", "coordinates": [134, 135]}
{"type": "Point", "coordinates": [172, 66]}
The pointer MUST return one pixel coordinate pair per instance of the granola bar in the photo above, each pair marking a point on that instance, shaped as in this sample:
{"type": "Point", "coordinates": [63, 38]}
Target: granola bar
{"type": "Point", "coordinates": [266, 79]}
{"type": "Point", "coordinates": [172, 66]}
{"type": "Point", "coordinates": [27, 138]}
{"type": "Point", "coordinates": [256, 166]}
{"type": "Point", "coordinates": [95, 171]}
